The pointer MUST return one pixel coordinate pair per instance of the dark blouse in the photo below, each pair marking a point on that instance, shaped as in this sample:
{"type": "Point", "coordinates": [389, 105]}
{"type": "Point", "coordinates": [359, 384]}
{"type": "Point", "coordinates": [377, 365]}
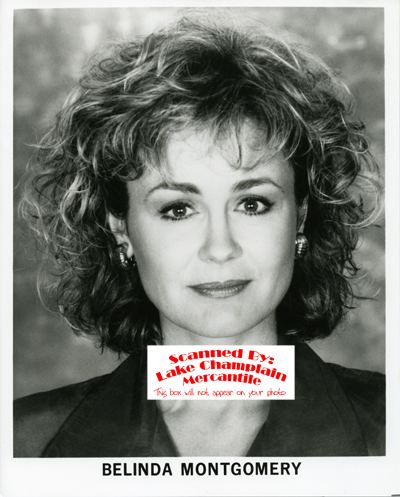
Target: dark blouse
{"type": "Point", "coordinates": [337, 412]}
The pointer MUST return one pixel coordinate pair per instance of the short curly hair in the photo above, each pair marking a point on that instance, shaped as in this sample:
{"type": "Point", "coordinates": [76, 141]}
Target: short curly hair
{"type": "Point", "coordinates": [116, 123]}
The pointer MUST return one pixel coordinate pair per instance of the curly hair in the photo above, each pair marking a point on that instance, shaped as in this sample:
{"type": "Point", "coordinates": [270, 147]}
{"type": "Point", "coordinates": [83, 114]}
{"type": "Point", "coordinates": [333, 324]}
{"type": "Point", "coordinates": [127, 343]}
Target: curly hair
{"type": "Point", "coordinates": [116, 123]}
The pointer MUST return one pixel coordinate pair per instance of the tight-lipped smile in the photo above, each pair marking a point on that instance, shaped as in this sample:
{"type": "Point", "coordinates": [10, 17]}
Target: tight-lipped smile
{"type": "Point", "coordinates": [220, 290]}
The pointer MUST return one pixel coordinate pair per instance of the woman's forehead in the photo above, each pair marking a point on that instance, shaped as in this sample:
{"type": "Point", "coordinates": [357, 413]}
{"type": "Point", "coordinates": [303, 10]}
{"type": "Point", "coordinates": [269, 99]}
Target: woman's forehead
{"type": "Point", "coordinates": [241, 146]}
{"type": "Point", "coordinates": [200, 156]}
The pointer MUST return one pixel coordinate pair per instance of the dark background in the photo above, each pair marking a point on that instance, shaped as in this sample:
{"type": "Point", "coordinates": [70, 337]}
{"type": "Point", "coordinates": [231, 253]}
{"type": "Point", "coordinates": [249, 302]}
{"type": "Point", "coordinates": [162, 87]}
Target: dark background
{"type": "Point", "coordinates": [50, 49]}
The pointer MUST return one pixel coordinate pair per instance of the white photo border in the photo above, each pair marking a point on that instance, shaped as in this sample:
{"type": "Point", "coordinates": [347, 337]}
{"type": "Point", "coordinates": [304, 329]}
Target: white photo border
{"type": "Point", "coordinates": [369, 476]}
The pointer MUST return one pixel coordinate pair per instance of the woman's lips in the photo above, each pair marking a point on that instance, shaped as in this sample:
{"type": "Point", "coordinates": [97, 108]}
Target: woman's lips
{"type": "Point", "coordinates": [220, 289]}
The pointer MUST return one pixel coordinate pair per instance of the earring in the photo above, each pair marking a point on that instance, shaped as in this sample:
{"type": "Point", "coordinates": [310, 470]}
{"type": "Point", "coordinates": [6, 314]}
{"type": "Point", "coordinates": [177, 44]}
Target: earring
{"type": "Point", "coordinates": [125, 262]}
{"type": "Point", "coordinates": [301, 245]}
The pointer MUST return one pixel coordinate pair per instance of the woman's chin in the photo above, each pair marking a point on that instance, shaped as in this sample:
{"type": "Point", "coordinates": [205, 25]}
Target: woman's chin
{"type": "Point", "coordinates": [222, 329]}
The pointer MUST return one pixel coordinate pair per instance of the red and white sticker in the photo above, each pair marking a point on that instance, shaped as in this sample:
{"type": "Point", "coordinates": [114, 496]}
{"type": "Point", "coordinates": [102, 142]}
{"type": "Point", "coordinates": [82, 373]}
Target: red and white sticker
{"type": "Point", "coordinates": [220, 372]}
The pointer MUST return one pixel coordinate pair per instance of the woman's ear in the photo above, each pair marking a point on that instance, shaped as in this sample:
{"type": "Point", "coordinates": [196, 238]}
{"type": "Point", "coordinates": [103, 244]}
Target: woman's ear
{"type": "Point", "coordinates": [120, 232]}
{"type": "Point", "coordinates": [302, 211]}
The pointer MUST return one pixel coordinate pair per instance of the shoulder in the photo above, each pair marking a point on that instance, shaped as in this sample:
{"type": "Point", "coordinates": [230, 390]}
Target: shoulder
{"type": "Point", "coordinates": [361, 393]}
{"type": "Point", "coordinates": [367, 393]}
{"type": "Point", "coordinates": [365, 385]}
{"type": "Point", "coordinates": [38, 417]}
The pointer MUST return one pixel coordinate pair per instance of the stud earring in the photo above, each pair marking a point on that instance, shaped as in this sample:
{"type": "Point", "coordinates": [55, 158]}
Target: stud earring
{"type": "Point", "coordinates": [125, 262]}
{"type": "Point", "coordinates": [301, 245]}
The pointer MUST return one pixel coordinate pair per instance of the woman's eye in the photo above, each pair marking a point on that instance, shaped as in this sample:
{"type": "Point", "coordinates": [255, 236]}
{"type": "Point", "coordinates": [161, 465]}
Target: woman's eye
{"type": "Point", "coordinates": [177, 211]}
{"type": "Point", "coordinates": [253, 206]}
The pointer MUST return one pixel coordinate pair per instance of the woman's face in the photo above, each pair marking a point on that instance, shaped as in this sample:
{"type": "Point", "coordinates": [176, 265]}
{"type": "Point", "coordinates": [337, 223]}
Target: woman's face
{"type": "Point", "coordinates": [214, 244]}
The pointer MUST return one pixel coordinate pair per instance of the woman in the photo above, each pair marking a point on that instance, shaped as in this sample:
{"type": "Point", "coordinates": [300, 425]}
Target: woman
{"type": "Point", "coordinates": [198, 188]}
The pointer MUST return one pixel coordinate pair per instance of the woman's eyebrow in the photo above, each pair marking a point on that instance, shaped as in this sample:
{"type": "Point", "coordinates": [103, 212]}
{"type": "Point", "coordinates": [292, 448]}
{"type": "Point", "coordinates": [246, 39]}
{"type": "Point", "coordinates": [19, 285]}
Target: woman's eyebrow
{"type": "Point", "coordinates": [182, 187]}
{"type": "Point", "coordinates": [252, 182]}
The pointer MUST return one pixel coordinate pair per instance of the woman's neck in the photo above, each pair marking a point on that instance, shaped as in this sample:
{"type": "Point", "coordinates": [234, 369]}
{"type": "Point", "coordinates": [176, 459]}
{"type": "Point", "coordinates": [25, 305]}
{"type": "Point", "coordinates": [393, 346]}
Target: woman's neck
{"type": "Point", "coordinates": [209, 427]}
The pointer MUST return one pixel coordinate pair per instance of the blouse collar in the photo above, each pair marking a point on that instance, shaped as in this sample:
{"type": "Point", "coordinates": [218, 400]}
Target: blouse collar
{"type": "Point", "coordinates": [115, 419]}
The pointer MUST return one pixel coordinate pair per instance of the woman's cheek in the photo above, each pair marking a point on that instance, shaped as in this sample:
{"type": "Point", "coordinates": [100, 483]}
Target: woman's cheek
{"type": "Point", "coordinates": [161, 258]}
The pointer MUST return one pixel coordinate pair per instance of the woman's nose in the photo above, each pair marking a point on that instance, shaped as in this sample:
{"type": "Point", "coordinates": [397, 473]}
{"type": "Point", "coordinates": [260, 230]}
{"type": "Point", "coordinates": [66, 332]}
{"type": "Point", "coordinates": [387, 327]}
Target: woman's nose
{"type": "Point", "coordinates": [219, 245]}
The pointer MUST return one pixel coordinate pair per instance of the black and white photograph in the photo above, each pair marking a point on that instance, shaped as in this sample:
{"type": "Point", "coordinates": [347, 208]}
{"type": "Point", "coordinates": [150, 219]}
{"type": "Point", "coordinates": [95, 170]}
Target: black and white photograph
{"type": "Point", "coordinates": [204, 177]}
